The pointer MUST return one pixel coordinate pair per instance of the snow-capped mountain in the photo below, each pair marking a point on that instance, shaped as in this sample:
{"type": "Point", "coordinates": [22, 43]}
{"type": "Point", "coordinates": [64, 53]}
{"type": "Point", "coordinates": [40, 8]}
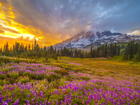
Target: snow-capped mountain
{"type": "Point", "coordinates": [84, 39]}
{"type": "Point", "coordinates": [78, 41]}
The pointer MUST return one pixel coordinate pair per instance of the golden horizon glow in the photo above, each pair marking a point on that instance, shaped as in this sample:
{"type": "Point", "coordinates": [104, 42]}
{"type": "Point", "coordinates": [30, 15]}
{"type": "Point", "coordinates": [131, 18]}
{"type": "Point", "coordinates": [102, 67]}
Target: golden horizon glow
{"type": "Point", "coordinates": [14, 30]}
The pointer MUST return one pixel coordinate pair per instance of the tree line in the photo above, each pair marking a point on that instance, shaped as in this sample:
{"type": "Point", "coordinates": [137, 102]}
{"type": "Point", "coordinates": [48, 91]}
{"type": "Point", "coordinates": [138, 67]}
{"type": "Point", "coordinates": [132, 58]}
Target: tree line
{"type": "Point", "coordinates": [132, 51]}
{"type": "Point", "coordinates": [105, 51]}
{"type": "Point", "coordinates": [31, 51]}
{"type": "Point", "coordinates": [34, 50]}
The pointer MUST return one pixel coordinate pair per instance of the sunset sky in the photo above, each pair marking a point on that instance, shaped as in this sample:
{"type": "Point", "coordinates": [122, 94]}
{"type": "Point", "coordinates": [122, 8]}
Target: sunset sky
{"type": "Point", "coordinates": [52, 21]}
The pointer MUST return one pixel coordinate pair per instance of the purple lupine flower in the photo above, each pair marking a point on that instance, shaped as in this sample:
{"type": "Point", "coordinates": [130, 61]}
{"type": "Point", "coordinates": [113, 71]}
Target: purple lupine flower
{"type": "Point", "coordinates": [69, 101]}
{"type": "Point", "coordinates": [40, 102]}
{"type": "Point", "coordinates": [33, 100]}
{"type": "Point", "coordinates": [46, 101]}
{"type": "Point", "coordinates": [27, 101]}
{"type": "Point", "coordinates": [57, 103]}
{"type": "Point", "coordinates": [13, 95]}
{"type": "Point", "coordinates": [41, 94]}
{"type": "Point", "coordinates": [17, 102]}
{"type": "Point", "coordinates": [6, 96]}
{"type": "Point", "coordinates": [36, 103]}
{"type": "Point", "coordinates": [1, 99]}
{"type": "Point", "coordinates": [8, 100]}
{"type": "Point", "coordinates": [4, 103]}
{"type": "Point", "coordinates": [61, 103]}
{"type": "Point", "coordinates": [49, 103]}
{"type": "Point", "coordinates": [87, 101]}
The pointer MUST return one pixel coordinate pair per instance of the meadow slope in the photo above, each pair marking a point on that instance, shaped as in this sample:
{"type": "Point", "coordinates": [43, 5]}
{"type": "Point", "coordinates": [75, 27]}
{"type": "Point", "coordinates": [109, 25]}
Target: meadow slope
{"type": "Point", "coordinates": [69, 81]}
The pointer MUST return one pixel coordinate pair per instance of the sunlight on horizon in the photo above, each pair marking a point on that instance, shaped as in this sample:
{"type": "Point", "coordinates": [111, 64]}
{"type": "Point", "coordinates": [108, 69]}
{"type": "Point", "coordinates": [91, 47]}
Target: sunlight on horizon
{"type": "Point", "coordinates": [12, 29]}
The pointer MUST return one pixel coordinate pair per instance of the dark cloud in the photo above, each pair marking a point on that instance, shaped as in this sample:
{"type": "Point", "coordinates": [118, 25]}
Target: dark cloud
{"type": "Point", "coordinates": [60, 19]}
{"type": "Point", "coordinates": [122, 16]}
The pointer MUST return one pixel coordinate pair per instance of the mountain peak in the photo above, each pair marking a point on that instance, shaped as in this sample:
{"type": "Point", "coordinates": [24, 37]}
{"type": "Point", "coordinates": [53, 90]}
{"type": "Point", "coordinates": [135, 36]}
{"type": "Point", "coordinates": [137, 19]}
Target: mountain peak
{"type": "Point", "coordinates": [84, 39]}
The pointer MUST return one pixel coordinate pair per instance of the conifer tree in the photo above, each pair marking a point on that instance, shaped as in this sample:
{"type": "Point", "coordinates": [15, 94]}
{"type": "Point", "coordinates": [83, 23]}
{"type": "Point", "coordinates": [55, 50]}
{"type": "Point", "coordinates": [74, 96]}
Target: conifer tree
{"type": "Point", "coordinates": [55, 51]}
{"type": "Point", "coordinates": [127, 52]}
{"type": "Point", "coordinates": [111, 49]}
{"type": "Point", "coordinates": [51, 50]}
{"type": "Point", "coordinates": [35, 45]}
{"type": "Point", "coordinates": [29, 47]}
{"type": "Point", "coordinates": [55, 56]}
{"type": "Point", "coordinates": [75, 53]}
{"type": "Point", "coordinates": [86, 55]}
{"type": "Point", "coordinates": [91, 51]}
{"type": "Point", "coordinates": [6, 48]}
{"type": "Point", "coordinates": [96, 53]}
{"type": "Point", "coordinates": [58, 52]}
{"type": "Point", "coordinates": [118, 51]}
{"type": "Point", "coordinates": [115, 49]}
{"type": "Point", "coordinates": [32, 47]}
{"type": "Point", "coordinates": [137, 58]}
{"type": "Point", "coordinates": [44, 48]}
{"type": "Point", "coordinates": [105, 51]}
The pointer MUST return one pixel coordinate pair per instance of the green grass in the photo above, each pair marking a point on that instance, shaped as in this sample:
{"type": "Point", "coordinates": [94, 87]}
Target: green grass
{"type": "Point", "coordinates": [116, 58]}
{"type": "Point", "coordinates": [113, 67]}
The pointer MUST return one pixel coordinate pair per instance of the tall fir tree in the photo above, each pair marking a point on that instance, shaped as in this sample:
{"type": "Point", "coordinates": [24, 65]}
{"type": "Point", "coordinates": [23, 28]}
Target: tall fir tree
{"type": "Point", "coordinates": [105, 50]}
{"type": "Point", "coordinates": [29, 47]}
{"type": "Point", "coordinates": [91, 52]}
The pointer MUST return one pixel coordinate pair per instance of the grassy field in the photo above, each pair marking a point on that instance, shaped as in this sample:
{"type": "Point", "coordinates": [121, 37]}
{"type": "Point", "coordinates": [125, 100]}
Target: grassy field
{"type": "Point", "coordinates": [113, 67]}
{"type": "Point", "coordinates": [69, 81]}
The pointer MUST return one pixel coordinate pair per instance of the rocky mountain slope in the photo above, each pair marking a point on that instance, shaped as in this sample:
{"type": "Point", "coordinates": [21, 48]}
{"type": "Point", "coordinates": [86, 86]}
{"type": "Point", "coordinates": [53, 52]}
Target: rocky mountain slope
{"type": "Point", "coordinates": [84, 39]}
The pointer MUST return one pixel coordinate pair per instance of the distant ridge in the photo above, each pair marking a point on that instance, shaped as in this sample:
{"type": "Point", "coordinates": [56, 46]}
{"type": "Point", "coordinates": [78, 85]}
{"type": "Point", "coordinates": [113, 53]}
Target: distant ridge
{"type": "Point", "coordinates": [84, 39]}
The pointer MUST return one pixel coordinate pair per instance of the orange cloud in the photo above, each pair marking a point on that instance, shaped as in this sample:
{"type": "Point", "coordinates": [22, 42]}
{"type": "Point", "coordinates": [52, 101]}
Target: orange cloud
{"type": "Point", "coordinates": [1, 31]}
{"type": "Point", "coordinates": [10, 30]}
{"type": "Point", "coordinates": [25, 41]}
{"type": "Point", "coordinates": [28, 21]}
